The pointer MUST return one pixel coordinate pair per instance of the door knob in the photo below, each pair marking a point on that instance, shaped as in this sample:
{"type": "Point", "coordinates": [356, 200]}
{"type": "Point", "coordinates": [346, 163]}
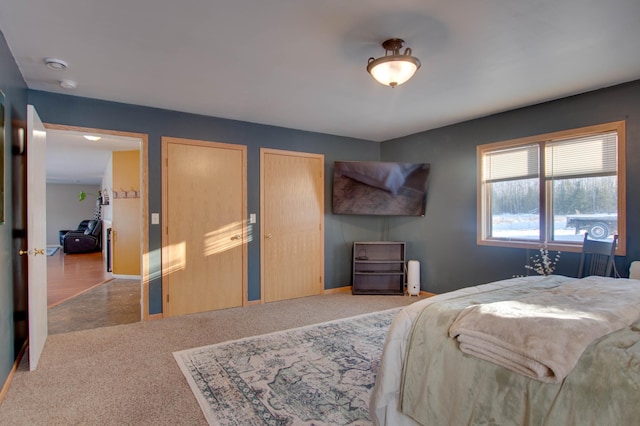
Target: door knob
{"type": "Point", "coordinates": [236, 237]}
{"type": "Point", "coordinates": [269, 236]}
{"type": "Point", "coordinates": [35, 252]}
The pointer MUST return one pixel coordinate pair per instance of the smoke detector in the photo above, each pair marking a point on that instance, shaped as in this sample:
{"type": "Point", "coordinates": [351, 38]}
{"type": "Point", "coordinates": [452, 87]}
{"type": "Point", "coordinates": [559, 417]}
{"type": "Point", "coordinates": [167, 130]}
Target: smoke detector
{"type": "Point", "coordinates": [68, 84]}
{"type": "Point", "coordinates": [55, 64]}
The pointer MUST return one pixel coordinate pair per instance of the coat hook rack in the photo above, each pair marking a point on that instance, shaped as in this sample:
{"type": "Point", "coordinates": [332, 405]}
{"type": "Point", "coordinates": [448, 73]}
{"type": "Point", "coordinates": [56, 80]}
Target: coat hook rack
{"type": "Point", "coordinates": [132, 193]}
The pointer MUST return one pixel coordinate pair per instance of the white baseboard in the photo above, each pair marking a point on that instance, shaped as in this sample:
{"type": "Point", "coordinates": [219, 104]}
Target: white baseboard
{"type": "Point", "coordinates": [126, 277]}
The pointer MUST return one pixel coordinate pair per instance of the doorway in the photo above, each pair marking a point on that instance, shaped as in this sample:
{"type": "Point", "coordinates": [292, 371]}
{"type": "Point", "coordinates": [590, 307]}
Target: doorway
{"type": "Point", "coordinates": [70, 166]}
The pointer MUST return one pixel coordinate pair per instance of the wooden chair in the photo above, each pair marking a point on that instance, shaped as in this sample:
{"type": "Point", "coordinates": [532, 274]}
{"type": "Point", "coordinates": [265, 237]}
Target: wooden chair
{"type": "Point", "coordinates": [597, 257]}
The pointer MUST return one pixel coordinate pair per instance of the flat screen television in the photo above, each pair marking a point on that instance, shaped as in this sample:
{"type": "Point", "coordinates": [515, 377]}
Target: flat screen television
{"type": "Point", "coordinates": [380, 188]}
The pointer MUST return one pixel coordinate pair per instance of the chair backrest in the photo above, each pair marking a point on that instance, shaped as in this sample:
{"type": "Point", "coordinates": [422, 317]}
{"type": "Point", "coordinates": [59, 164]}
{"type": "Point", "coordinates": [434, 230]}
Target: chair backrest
{"type": "Point", "coordinates": [597, 257]}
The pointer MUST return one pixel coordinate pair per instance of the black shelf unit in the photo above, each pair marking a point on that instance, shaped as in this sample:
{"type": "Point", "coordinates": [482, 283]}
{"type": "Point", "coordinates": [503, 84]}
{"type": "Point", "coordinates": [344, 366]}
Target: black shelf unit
{"type": "Point", "coordinates": [378, 267]}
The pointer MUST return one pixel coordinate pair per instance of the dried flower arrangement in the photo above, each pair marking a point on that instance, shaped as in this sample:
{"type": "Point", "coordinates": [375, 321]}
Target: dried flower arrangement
{"type": "Point", "coordinates": [542, 263]}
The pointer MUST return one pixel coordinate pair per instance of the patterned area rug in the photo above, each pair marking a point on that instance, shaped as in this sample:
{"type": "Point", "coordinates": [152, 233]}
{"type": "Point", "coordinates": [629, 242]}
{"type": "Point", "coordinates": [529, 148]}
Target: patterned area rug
{"type": "Point", "coordinates": [317, 375]}
{"type": "Point", "coordinates": [51, 250]}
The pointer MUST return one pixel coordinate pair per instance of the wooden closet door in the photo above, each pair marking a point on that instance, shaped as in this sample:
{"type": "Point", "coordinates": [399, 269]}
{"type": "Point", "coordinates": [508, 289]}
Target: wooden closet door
{"type": "Point", "coordinates": [204, 246]}
{"type": "Point", "coordinates": [292, 213]}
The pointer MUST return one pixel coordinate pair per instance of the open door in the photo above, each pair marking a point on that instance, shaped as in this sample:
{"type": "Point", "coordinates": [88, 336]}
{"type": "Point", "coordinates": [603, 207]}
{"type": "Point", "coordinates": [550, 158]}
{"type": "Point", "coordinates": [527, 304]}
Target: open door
{"type": "Point", "coordinates": [36, 236]}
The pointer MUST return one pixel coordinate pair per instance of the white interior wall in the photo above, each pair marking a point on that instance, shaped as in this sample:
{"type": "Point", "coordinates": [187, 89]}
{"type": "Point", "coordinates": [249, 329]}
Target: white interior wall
{"type": "Point", "coordinates": [64, 211]}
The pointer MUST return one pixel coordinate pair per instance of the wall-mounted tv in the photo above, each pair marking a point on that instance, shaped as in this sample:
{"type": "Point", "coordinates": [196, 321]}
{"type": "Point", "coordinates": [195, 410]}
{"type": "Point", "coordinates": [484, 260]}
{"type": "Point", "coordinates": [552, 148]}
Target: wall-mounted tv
{"type": "Point", "coordinates": [380, 188]}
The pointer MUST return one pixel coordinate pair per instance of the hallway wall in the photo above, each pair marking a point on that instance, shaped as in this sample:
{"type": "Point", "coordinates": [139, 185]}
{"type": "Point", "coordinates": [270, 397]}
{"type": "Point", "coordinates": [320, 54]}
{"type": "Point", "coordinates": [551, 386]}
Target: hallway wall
{"type": "Point", "coordinates": [64, 211]}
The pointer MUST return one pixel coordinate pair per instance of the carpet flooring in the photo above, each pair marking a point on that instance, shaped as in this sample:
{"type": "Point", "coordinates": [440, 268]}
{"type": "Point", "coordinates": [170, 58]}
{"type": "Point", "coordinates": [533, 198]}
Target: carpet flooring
{"type": "Point", "coordinates": [126, 374]}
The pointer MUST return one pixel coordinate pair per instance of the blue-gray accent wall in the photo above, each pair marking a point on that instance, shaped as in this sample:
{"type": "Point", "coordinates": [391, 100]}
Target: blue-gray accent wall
{"type": "Point", "coordinates": [15, 90]}
{"type": "Point", "coordinates": [339, 232]}
{"type": "Point", "coordinates": [445, 241]}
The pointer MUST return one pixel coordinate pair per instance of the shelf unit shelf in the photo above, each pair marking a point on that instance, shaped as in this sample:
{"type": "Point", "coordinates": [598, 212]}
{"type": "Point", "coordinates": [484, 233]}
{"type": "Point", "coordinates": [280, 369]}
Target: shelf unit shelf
{"type": "Point", "coordinates": [378, 267]}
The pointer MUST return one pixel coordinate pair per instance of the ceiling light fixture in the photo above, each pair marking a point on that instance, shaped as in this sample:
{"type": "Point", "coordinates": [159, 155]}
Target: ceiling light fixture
{"type": "Point", "coordinates": [393, 68]}
{"type": "Point", "coordinates": [55, 64]}
{"type": "Point", "coordinates": [92, 138]}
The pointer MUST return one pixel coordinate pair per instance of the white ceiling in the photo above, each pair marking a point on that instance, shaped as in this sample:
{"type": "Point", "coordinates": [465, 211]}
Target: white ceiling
{"type": "Point", "coordinates": [301, 64]}
{"type": "Point", "coordinates": [73, 159]}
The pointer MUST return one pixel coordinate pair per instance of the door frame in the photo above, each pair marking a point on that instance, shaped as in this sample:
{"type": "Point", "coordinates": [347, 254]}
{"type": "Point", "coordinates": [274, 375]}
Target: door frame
{"type": "Point", "coordinates": [144, 198]}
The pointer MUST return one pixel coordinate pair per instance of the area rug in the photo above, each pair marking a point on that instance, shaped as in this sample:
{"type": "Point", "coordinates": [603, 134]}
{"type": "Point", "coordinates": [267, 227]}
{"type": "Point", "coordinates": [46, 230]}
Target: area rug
{"type": "Point", "coordinates": [52, 250]}
{"type": "Point", "coordinates": [316, 375]}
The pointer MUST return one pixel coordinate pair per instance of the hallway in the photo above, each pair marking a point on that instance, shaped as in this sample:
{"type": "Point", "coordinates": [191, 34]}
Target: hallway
{"type": "Point", "coordinates": [81, 295]}
{"type": "Point", "coordinates": [72, 274]}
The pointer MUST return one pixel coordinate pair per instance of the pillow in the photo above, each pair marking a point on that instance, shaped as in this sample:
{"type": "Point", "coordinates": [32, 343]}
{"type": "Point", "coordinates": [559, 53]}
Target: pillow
{"type": "Point", "coordinates": [90, 226]}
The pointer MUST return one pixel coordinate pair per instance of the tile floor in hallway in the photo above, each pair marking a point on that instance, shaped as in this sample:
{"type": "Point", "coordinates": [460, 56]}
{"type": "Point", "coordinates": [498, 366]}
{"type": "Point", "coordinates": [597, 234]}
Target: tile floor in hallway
{"type": "Point", "coordinates": [112, 303]}
{"type": "Point", "coordinates": [82, 295]}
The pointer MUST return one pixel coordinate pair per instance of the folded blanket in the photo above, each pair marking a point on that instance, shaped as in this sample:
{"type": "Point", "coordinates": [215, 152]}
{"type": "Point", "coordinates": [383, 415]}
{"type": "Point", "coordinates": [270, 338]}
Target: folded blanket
{"type": "Point", "coordinates": [543, 335]}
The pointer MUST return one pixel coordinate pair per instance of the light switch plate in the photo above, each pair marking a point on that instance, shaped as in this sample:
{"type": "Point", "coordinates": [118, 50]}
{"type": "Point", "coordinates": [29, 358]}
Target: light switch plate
{"type": "Point", "coordinates": [252, 218]}
{"type": "Point", "coordinates": [155, 218]}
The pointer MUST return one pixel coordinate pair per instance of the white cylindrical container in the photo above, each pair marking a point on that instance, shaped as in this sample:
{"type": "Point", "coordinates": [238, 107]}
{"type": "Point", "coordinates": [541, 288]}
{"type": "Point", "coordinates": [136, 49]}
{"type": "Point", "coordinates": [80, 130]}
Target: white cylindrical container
{"type": "Point", "coordinates": [413, 277]}
{"type": "Point", "coordinates": [634, 270]}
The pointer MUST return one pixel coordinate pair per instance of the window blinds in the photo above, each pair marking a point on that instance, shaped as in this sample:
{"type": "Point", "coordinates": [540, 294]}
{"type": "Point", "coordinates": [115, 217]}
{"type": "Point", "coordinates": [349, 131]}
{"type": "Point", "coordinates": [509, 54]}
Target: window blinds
{"type": "Point", "coordinates": [593, 155]}
{"type": "Point", "coordinates": [520, 162]}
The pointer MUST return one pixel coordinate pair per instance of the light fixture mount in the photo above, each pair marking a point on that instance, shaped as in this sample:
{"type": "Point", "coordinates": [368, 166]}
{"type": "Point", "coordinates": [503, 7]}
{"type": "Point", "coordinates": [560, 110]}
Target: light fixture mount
{"type": "Point", "coordinates": [394, 68]}
{"type": "Point", "coordinates": [394, 45]}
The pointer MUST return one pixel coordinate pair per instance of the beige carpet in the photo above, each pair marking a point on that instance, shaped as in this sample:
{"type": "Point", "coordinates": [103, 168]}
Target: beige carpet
{"type": "Point", "coordinates": [126, 374]}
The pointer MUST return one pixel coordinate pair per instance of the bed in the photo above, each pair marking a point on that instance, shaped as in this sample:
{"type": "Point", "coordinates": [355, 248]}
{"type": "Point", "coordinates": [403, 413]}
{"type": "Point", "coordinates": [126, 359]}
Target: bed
{"type": "Point", "coordinates": [424, 378]}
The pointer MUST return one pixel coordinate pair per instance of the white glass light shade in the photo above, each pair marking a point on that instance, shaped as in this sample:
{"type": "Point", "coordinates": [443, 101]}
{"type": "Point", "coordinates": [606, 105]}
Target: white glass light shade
{"type": "Point", "coordinates": [393, 70]}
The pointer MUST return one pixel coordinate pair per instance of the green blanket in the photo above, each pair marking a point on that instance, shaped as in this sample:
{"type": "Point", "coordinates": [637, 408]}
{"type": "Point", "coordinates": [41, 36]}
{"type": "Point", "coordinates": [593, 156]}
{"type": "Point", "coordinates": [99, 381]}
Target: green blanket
{"type": "Point", "coordinates": [443, 386]}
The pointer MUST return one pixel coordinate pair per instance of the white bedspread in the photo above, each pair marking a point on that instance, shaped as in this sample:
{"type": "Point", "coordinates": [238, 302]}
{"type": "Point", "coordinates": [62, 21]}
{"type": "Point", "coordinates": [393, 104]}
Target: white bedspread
{"type": "Point", "coordinates": [620, 351]}
{"type": "Point", "coordinates": [385, 402]}
{"type": "Point", "coordinates": [542, 335]}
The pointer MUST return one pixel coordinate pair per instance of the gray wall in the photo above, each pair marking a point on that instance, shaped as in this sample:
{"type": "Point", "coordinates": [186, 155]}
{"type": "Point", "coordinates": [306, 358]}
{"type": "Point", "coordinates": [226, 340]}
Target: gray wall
{"type": "Point", "coordinates": [339, 231]}
{"type": "Point", "coordinates": [445, 239]}
{"type": "Point", "coordinates": [11, 266]}
{"type": "Point", "coordinates": [64, 211]}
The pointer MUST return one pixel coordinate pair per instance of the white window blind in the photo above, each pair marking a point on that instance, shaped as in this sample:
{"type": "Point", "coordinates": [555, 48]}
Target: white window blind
{"type": "Point", "coordinates": [593, 155]}
{"type": "Point", "coordinates": [511, 163]}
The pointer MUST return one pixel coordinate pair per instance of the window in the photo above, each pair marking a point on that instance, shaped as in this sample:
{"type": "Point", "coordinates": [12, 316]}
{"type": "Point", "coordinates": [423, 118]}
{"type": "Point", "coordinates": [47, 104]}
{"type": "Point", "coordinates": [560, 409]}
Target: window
{"type": "Point", "coordinates": [551, 189]}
